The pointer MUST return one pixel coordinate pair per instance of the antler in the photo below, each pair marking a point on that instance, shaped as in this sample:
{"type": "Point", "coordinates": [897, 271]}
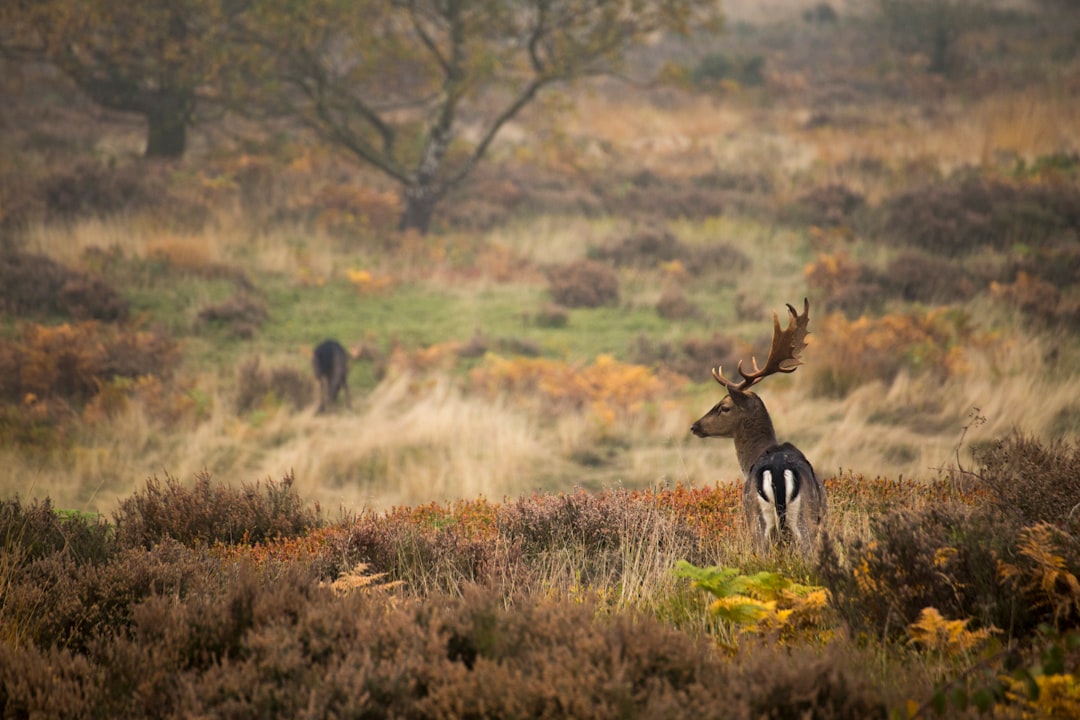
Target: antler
{"type": "Point", "coordinates": [783, 355]}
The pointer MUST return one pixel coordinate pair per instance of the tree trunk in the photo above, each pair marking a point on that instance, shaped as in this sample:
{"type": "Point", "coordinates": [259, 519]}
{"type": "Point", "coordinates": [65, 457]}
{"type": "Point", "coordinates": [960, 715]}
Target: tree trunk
{"type": "Point", "coordinates": [167, 136]}
{"type": "Point", "coordinates": [419, 207]}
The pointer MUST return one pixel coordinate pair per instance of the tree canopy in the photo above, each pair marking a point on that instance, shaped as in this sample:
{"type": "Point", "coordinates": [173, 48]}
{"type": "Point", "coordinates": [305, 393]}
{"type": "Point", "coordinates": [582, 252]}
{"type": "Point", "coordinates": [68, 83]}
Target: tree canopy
{"type": "Point", "coordinates": [420, 88]}
{"type": "Point", "coordinates": [150, 57]}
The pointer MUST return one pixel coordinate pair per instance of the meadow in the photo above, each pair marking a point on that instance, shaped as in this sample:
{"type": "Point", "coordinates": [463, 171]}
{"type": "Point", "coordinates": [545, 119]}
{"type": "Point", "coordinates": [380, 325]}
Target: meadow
{"type": "Point", "coordinates": [513, 498]}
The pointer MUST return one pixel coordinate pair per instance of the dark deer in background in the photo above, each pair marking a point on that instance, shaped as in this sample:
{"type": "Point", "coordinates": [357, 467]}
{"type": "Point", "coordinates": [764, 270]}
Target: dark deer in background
{"type": "Point", "coordinates": [783, 497]}
{"type": "Point", "coordinates": [331, 365]}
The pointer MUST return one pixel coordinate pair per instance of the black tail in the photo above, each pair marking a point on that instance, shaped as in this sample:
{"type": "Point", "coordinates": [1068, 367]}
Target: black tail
{"type": "Point", "coordinates": [778, 477]}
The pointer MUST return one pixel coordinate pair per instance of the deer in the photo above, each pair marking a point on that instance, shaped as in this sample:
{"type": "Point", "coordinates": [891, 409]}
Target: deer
{"type": "Point", "coordinates": [783, 498]}
{"type": "Point", "coordinates": [330, 362]}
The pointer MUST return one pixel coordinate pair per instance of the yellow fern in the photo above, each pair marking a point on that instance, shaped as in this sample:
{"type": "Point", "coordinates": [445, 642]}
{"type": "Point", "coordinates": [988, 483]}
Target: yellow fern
{"type": "Point", "coordinates": [948, 637]}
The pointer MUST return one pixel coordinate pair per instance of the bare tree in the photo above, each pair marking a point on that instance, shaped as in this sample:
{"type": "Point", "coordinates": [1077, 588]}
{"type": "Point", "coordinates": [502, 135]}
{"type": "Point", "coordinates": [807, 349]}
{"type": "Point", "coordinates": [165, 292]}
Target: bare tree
{"type": "Point", "coordinates": [419, 89]}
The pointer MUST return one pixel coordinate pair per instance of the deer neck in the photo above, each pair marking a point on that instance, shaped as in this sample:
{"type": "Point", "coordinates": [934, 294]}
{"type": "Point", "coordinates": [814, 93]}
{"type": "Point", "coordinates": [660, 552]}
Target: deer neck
{"type": "Point", "coordinates": [753, 438]}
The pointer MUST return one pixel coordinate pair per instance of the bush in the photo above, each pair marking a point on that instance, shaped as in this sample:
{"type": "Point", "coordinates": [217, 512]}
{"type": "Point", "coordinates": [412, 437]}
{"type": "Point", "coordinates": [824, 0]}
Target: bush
{"type": "Point", "coordinates": [715, 68]}
{"type": "Point", "coordinates": [973, 214]}
{"type": "Point", "coordinates": [1030, 482]}
{"type": "Point", "coordinates": [1039, 300]}
{"type": "Point", "coordinates": [673, 305]}
{"type": "Point", "coordinates": [826, 206]}
{"type": "Point", "coordinates": [850, 353]}
{"type": "Point", "coordinates": [650, 249]}
{"type": "Point", "coordinates": [240, 316]}
{"type": "Point", "coordinates": [255, 386]}
{"type": "Point", "coordinates": [35, 284]}
{"type": "Point", "coordinates": [29, 533]}
{"type": "Point", "coordinates": [88, 188]}
{"type": "Point", "coordinates": [919, 277]}
{"type": "Point", "coordinates": [209, 513]}
{"type": "Point", "coordinates": [692, 358]}
{"type": "Point", "coordinates": [585, 283]}
{"type": "Point", "coordinates": [74, 362]}
{"type": "Point", "coordinates": [945, 557]}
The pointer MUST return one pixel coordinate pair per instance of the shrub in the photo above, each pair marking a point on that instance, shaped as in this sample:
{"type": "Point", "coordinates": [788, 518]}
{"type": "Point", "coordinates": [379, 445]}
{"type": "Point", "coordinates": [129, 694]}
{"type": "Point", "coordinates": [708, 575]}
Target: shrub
{"type": "Point", "coordinates": [35, 284]}
{"type": "Point", "coordinates": [692, 358]}
{"type": "Point", "coordinates": [844, 284]}
{"type": "Point", "coordinates": [73, 362]}
{"type": "Point", "coordinates": [209, 513]}
{"type": "Point", "coordinates": [807, 683]}
{"type": "Point", "coordinates": [609, 387]}
{"type": "Point", "coordinates": [88, 188]}
{"type": "Point", "coordinates": [650, 249]}
{"type": "Point", "coordinates": [1031, 482]}
{"type": "Point", "coordinates": [551, 315]}
{"type": "Point", "coordinates": [29, 533]}
{"type": "Point", "coordinates": [826, 206]}
{"type": "Point", "coordinates": [971, 214]}
{"type": "Point", "coordinates": [240, 316]}
{"type": "Point", "coordinates": [673, 305]}
{"type": "Point", "coordinates": [645, 249]}
{"type": "Point", "coordinates": [945, 557]}
{"type": "Point", "coordinates": [919, 277]}
{"type": "Point", "coordinates": [1039, 300]}
{"type": "Point", "coordinates": [715, 68]}
{"type": "Point", "coordinates": [585, 283]}
{"type": "Point", "coordinates": [255, 386]}
{"type": "Point", "coordinates": [851, 353]}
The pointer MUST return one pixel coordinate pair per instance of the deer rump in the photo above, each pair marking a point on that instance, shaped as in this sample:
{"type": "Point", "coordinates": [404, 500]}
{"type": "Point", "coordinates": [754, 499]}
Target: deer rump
{"type": "Point", "coordinates": [330, 362]}
{"type": "Point", "coordinates": [782, 497]}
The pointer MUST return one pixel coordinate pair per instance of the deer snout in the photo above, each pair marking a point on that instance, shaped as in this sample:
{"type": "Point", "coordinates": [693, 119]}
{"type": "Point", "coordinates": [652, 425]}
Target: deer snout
{"type": "Point", "coordinates": [696, 429]}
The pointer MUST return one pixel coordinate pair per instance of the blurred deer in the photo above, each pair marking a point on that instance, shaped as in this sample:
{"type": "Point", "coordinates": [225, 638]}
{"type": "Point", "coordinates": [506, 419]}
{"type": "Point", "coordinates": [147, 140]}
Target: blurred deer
{"type": "Point", "coordinates": [783, 498]}
{"type": "Point", "coordinates": [331, 365]}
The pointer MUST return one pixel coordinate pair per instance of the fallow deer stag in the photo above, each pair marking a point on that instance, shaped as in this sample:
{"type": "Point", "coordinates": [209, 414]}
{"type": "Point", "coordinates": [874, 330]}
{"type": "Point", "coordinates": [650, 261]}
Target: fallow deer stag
{"type": "Point", "coordinates": [330, 362]}
{"type": "Point", "coordinates": [783, 497]}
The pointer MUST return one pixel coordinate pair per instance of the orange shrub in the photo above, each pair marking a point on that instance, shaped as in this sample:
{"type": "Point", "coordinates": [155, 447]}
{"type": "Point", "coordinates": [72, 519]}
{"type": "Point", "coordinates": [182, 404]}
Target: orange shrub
{"type": "Point", "coordinates": [608, 386]}
{"type": "Point", "coordinates": [50, 368]}
{"type": "Point", "coordinates": [849, 353]}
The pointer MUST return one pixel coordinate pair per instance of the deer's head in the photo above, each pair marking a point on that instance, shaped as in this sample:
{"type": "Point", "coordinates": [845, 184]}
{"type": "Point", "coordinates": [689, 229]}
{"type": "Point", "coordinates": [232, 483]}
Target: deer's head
{"type": "Point", "coordinates": [742, 414]}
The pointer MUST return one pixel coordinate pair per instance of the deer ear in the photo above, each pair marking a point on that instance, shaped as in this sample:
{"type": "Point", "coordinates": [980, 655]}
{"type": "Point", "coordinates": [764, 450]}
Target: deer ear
{"type": "Point", "coordinates": [739, 397]}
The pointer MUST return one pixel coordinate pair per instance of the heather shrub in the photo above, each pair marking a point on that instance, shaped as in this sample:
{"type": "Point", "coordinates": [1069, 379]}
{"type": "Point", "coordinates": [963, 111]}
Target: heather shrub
{"type": "Point", "coordinates": [975, 213]}
{"type": "Point", "coordinates": [31, 532]}
{"type": "Point", "coordinates": [551, 315]}
{"type": "Point", "coordinates": [849, 353]}
{"type": "Point", "coordinates": [805, 683]}
{"type": "Point", "coordinates": [1058, 265]}
{"type": "Point", "coordinates": [673, 305]}
{"type": "Point", "coordinates": [644, 249]}
{"type": "Point", "coordinates": [692, 357]}
{"type": "Point", "coordinates": [826, 206]}
{"type": "Point", "coordinates": [239, 316]}
{"type": "Point", "coordinates": [585, 283]}
{"type": "Point", "coordinates": [647, 196]}
{"type": "Point", "coordinates": [715, 68]}
{"type": "Point", "coordinates": [651, 248]}
{"type": "Point", "coordinates": [89, 188]}
{"type": "Point", "coordinates": [945, 557]}
{"type": "Point", "coordinates": [73, 362]}
{"type": "Point", "coordinates": [256, 386]}
{"type": "Point", "coordinates": [842, 284]}
{"type": "Point", "coordinates": [1031, 482]}
{"type": "Point", "coordinates": [1039, 300]}
{"type": "Point", "coordinates": [36, 284]}
{"type": "Point", "coordinates": [57, 601]}
{"type": "Point", "coordinates": [920, 277]}
{"type": "Point", "coordinates": [209, 512]}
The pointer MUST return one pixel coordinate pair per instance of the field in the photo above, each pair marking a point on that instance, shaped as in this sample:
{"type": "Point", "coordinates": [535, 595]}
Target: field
{"type": "Point", "coordinates": [514, 483]}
